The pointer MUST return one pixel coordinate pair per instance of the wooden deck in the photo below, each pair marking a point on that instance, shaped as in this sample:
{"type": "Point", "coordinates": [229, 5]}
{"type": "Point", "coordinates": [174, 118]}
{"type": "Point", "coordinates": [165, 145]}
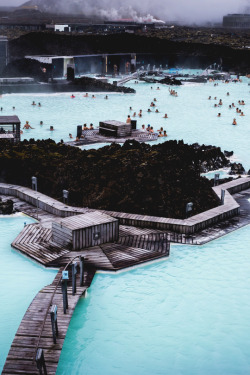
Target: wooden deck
{"type": "Point", "coordinates": [35, 329]}
{"type": "Point", "coordinates": [135, 246]}
{"type": "Point", "coordinates": [34, 241]}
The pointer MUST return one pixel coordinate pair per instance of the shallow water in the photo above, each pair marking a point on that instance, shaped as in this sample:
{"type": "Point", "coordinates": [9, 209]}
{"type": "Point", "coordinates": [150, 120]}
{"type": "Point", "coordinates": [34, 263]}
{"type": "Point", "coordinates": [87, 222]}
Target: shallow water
{"type": "Point", "coordinates": [192, 117]}
{"type": "Point", "coordinates": [21, 279]}
{"type": "Point", "coordinates": [188, 315]}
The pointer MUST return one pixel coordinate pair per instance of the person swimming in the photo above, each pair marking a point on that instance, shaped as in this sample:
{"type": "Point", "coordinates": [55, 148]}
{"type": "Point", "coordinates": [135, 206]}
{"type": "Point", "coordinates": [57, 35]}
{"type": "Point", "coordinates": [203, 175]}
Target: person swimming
{"type": "Point", "coordinates": [165, 116]}
{"type": "Point", "coordinates": [219, 115]}
{"type": "Point", "coordinates": [41, 122]}
{"type": "Point", "coordinates": [160, 134]}
{"type": "Point", "coordinates": [33, 103]}
{"type": "Point", "coordinates": [86, 95]}
{"type": "Point", "coordinates": [91, 127]}
{"type": "Point", "coordinates": [160, 130]}
{"type": "Point", "coordinates": [51, 128]}
{"type": "Point", "coordinates": [93, 96]}
{"type": "Point", "coordinates": [39, 104]}
{"type": "Point", "coordinates": [234, 121]}
{"type": "Point", "coordinates": [13, 108]}
{"type": "Point", "coordinates": [27, 125]}
{"type": "Point", "coordinates": [165, 133]}
{"type": "Point", "coordinates": [156, 111]}
{"type": "Point", "coordinates": [85, 127]}
{"type": "Point", "coordinates": [134, 114]}
{"type": "Point", "coordinates": [72, 96]}
{"type": "Point", "coordinates": [106, 97]}
{"type": "Point", "coordinates": [70, 135]}
{"type": "Point", "coordinates": [143, 127]}
{"type": "Point", "coordinates": [149, 110]}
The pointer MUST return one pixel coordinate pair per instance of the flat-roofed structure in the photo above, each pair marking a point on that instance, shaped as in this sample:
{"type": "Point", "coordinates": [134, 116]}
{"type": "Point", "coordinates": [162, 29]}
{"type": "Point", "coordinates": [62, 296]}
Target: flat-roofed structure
{"type": "Point", "coordinates": [237, 21]}
{"type": "Point", "coordinates": [10, 128]}
{"type": "Point", "coordinates": [81, 231]}
{"type": "Point", "coordinates": [115, 128]}
{"type": "Point", "coordinates": [3, 52]}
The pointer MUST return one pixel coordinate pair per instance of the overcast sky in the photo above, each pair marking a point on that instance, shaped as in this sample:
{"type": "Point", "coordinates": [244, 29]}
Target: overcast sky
{"type": "Point", "coordinates": [186, 10]}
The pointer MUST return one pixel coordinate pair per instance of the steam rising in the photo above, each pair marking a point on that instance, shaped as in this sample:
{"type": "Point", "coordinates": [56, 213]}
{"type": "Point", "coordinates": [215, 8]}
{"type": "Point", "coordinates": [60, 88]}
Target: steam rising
{"type": "Point", "coordinates": [185, 11]}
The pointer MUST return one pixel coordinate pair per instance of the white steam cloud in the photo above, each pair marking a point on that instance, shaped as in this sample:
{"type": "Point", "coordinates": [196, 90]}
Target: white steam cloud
{"type": "Point", "coordinates": [185, 11]}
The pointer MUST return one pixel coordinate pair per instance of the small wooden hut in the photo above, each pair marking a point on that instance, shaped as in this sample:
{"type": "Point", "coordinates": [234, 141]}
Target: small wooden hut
{"type": "Point", "coordinates": [86, 230]}
{"type": "Point", "coordinates": [10, 128]}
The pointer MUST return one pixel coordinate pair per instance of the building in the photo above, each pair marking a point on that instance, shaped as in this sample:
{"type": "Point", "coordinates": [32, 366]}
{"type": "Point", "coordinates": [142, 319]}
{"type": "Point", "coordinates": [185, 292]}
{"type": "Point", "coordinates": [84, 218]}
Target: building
{"type": "Point", "coordinates": [3, 52]}
{"type": "Point", "coordinates": [237, 21]}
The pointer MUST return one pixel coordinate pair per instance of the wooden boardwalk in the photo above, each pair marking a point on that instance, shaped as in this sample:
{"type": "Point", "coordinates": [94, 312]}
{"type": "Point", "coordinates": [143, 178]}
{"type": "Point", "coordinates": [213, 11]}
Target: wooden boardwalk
{"type": "Point", "coordinates": [134, 246]}
{"type": "Point", "coordinates": [34, 241]}
{"type": "Point", "coordinates": [35, 329]}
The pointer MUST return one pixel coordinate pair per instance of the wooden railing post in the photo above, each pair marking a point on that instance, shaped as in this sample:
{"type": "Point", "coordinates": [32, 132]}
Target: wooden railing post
{"type": "Point", "coordinates": [40, 362]}
{"type": "Point", "coordinates": [53, 316]}
{"type": "Point", "coordinates": [74, 272]}
{"type": "Point", "coordinates": [81, 271]}
{"type": "Point", "coordinates": [65, 277]}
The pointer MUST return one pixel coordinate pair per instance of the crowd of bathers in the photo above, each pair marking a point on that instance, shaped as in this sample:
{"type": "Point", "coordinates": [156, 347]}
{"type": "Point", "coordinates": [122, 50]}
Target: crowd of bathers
{"type": "Point", "coordinates": [161, 132]}
{"type": "Point", "coordinates": [231, 106]}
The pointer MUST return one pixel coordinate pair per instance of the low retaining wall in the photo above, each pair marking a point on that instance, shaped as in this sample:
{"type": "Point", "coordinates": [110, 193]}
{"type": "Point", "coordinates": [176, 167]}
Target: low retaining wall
{"type": "Point", "coordinates": [40, 200]}
{"type": "Point", "coordinates": [193, 224]}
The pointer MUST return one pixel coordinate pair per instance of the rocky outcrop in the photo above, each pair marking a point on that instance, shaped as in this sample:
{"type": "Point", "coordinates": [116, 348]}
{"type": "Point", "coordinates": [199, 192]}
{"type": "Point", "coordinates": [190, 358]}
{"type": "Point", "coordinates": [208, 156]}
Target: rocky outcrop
{"type": "Point", "coordinates": [6, 207]}
{"type": "Point", "coordinates": [156, 180]}
{"type": "Point", "coordinates": [237, 168]}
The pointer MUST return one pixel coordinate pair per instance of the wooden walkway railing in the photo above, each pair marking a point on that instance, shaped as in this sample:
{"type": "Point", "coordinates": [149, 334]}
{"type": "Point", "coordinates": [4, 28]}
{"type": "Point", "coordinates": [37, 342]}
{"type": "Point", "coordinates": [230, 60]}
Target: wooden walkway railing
{"type": "Point", "coordinates": [38, 342]}
{"type": "Point", "coordinates": [159, 242]}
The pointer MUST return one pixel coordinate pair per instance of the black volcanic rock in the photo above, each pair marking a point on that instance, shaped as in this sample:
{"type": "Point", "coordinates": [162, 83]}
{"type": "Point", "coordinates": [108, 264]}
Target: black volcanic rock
{"type": "Point", "coordinates": [92, 84]}
{"type": "Point", "coordinates": [6, 207]}
{"type": "Point", "coordinates": [156, 180]}
{"type": "Point", "coordinates": [237, 168]}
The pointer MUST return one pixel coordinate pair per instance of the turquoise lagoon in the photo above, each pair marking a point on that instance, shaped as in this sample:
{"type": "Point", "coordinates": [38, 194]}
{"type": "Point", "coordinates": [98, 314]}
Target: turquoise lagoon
{"type": "Point", "coordinates": [192, 117]}
{"type": "Point", "coordinates": [187, 315]}
{"type": "Point", "coordinates": [21, 279]}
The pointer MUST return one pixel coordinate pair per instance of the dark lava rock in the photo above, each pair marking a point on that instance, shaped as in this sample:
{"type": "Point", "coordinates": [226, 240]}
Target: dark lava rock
{"type": "Point", "coordinates": [157, 180]}
{"type": "Point", "coordinates": [237, 168]}
{"type": "Point", "coordinates": [92, 84]}
{"type": "Point", "coordinates": [170, 81]}
{"type": "Point", "coordinates": [6, 207]}
{"type": "Point", "coordinates": [228, 153]}
{"type": "Point", "coordinates": [196, 80]}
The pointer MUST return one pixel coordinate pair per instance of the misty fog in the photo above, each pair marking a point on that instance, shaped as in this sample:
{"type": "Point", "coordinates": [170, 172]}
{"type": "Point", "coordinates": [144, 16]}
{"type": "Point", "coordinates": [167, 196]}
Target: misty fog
{"type": "Point", "coordinates": [185, 11]}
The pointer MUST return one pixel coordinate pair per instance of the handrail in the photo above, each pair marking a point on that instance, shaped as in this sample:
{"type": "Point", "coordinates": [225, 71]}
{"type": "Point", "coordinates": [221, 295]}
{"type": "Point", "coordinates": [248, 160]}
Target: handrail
{"type": "Point", "coordinates": [50, 303]}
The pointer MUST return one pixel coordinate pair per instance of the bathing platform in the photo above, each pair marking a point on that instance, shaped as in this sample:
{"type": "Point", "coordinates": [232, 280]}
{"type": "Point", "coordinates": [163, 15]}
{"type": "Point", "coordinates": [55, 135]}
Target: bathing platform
{"type": "Point", "coordinates": [139, 239]}
{"type": "Point", "coordinates": [35, 330]}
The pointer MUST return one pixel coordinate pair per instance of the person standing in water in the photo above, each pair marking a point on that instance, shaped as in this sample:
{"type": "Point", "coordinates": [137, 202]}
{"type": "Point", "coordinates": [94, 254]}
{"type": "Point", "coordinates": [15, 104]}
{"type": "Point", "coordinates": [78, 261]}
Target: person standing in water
{"type": "Point", "coordinates": [27, 126]}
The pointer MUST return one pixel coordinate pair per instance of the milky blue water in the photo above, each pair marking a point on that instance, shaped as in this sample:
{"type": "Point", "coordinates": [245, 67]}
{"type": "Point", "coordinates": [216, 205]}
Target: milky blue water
{"type": "Point", "coordinates": [20, 278]}
{"type": "Point", "coordinates": [188, 315]}
{"type": "Point", "coordinates": [192, 117]}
